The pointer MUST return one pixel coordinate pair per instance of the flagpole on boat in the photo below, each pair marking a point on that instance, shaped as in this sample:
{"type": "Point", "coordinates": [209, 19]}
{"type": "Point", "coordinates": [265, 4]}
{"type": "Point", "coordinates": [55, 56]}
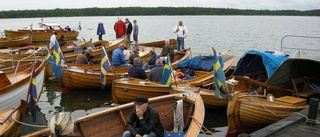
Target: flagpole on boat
{"type": "Point", "coordinates": [169, 60]}
{"type": "Point", "coordinates": [30, 82]}
{"type": "Point", "coordinates": [113, 69]}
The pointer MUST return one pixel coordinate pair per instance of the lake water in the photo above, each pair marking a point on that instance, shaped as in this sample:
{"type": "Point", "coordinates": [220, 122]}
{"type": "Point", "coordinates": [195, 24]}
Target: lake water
{"type": "Point", "coordinates": [235, 33]}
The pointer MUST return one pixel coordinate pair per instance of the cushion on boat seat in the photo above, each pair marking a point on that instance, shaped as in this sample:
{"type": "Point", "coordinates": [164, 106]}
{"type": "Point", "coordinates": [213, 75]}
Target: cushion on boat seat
{"type": "Point", "coordinates": [76, 49]}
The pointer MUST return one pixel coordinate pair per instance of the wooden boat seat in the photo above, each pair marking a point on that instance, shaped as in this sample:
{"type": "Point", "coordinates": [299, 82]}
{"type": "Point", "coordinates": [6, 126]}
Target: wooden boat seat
{"type": "Point", "coordinates": [4, 81]}
{"type": "Point", "coordinates": [292, 100]}
{"type": "Point", "coordinates": [300, 88]}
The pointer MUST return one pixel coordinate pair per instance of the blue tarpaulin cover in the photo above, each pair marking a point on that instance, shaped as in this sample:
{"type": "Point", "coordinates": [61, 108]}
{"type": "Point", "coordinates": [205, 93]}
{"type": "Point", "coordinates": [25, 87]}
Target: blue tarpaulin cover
{"type": "Point", "coordinates": [253, 61]}
{"type": "Point", "coordinates": [200, 63]}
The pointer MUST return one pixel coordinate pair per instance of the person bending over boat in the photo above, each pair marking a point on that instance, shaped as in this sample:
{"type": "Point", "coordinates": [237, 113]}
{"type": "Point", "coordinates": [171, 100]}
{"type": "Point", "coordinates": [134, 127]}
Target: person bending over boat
{"type": "Point", "coordinates": [144, 120]}
{"type": "Point", "coordinates": [136, 71]}
{"type": "Point", "coordinates": [61, 125]}
{"type": "Point", "coordinates": [118, 60]}
{"type": "Point", "coordinates": [82, 59]}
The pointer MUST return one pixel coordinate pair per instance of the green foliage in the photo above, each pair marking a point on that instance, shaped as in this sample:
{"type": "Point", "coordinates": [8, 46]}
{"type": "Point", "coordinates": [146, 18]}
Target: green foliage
{"type": "Point", "coordinates": [144, 11]}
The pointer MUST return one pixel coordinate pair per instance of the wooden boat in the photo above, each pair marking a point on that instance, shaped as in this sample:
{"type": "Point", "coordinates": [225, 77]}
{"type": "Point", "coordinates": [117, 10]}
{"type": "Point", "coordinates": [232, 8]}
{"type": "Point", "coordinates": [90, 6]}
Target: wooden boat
{"type": "Point", "coordinates": [248, 113]}
{"type": "Point", "coordinates": [88, 76]}
{"type": "Point", "coordinates": [159, 44]}
{"type": "Point", "coordinates": [208, 96]}
{"type": "Point", "coordinates": [97, 125]}
{"type": "Point", "coordinates": [9, 57]}
{"type": "Point", "coordinates": [8, 124]}
{"type": "Point", "coordinates": [43, 32]}
{"type": "Point", "coordinates": [15, 83]}
{"type": "Point", "coordinates": [125, 90]}
{"type": "Point", "coordinates": [96, 52]}
{"type": "Point", "coordinates": [17, 41]}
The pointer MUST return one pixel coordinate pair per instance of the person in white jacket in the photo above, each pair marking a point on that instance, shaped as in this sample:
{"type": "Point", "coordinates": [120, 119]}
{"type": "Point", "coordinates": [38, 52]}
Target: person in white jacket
{"type": "Point", "coordinates": [182, 33]}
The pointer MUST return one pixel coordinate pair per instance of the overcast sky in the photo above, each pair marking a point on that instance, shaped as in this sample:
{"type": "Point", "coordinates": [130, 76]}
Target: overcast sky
{"type": "Point", "coordinates": [238, 4]}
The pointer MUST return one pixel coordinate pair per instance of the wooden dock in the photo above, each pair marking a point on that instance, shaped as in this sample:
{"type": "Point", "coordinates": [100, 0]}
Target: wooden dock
{"type": "Point", "coordinates": [293, 126]}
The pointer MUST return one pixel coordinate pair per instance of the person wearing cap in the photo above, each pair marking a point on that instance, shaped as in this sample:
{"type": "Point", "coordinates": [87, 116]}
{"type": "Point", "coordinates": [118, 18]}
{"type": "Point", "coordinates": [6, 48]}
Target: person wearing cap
{"type": "Point", "coordinates": [144, 120]}
{"type": "Point", "coordinates": [53, 40]}
{"type": "Point", "coordinates": [135, 71]}
{"type": "Point", "coordinates": [156, 72]}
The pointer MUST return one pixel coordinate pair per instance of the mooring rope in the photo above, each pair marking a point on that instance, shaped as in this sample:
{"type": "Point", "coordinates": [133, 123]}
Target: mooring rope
{"type": "Point", "coordinates": [30, 125]}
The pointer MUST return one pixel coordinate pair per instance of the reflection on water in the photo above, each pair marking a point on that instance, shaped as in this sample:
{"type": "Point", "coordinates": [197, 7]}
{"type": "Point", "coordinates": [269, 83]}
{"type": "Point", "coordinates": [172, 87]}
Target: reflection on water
{"type": "Point", "coordinates": [80, 103]}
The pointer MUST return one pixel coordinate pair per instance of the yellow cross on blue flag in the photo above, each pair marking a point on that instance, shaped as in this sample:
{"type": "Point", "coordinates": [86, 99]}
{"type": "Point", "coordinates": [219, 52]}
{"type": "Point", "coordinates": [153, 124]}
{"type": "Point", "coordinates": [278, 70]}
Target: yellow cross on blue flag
{"type": "Point", "coordinates": [105, 66]}
{"type": "Point", "coordinates": [57, 57]}
{"type": "Point", "coordinates": [48, 56]}
{"type": "Point", "coordinates": [33, 97]}
{"type": "Point", "coordinates": [219, 77]}
{"type": "Point", "coordinates": [166, 75]}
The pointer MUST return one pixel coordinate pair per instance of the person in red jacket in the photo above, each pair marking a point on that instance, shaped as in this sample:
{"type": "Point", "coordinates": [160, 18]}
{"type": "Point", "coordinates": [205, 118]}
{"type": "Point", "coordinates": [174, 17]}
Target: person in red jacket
{"type": "Point", "coordinates": [120, 28]}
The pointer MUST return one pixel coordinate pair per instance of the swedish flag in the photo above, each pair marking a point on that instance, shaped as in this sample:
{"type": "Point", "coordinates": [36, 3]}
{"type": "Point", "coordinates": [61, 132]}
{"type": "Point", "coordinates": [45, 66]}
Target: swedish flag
{"type": "Point", "coordinates": [219, 77]}
{"type": "Point", "coordinates": [48, 57]}
{"type": "Point", "coordinates": [57, 57]}
{"type": "Point", "coordinates": [105, 66]}
{"type": "Point", "coordinates": [33, 97]}
{"type": "Point", "coordinates": [166, 75]}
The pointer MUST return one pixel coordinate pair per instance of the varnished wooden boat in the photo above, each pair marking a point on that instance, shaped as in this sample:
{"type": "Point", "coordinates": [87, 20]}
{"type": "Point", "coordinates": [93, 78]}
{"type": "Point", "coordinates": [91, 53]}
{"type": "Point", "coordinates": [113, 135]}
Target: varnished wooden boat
{"type": "Point", "coordinates": [43, 32]}
{"type": "Point", "coordinates": [97, 51]}
{"type": "Point", "coordinates": [125, 90]}
{"type": "Point", "coordinates": [97, 125]}
{"type": "Point", "coordinates": [15, 83]}
{"type": "Point", "coordinates": [8, 125]}
{"type": "Point", "coordinates": [17, 41]}
{"type": "Point", "coordinates": [248, 113]}
{"type": "Point", "coordinates": [208, 96]}
{"type": "Point", "coordinates": [88, 76]}
{"type": "Point", "coordinates": [159, 44]}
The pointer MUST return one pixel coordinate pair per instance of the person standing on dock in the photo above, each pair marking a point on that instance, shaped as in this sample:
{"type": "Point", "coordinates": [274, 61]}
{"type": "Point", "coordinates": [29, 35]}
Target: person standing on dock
{"type": "Point", "coordinates": [120, 28]}
{"type": "Point", "coordinates": [129, 30]}
{"type": "Point", "coordinates": [182, 33]}
{"type": "Point", "coordinates": [100, 30]}
{"type": "Point", "coordinates": [135, 32]}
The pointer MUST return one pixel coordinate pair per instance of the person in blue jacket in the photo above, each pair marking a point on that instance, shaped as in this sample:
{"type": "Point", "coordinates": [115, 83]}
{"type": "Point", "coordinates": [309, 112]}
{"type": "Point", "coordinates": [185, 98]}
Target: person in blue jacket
{"type": "Point", "coordinates": [100, 30]}
{"type": "Point", "coordinates": [118, 60]}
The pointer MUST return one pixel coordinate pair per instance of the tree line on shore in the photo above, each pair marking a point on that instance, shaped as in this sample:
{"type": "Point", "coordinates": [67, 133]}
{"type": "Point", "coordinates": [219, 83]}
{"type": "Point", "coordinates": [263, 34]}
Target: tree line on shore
{"type": "Point", "coordinates": [150, 11]}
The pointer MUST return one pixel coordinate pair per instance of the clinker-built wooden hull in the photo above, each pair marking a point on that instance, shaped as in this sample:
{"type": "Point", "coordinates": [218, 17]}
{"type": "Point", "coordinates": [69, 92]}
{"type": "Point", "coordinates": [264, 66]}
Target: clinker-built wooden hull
{"type": "Point", "coordinates": [112, 122]}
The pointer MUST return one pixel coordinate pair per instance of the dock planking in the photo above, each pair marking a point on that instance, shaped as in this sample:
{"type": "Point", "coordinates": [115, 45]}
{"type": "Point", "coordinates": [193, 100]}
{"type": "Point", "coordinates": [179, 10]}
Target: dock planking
{"type": "Point", "coordinates": [293, 126]}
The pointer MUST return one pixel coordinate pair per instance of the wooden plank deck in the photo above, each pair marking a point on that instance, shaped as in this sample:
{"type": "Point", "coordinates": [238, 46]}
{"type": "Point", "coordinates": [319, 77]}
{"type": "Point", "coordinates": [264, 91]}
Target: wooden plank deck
{"type": "Point", "coordinates": [293, 126]}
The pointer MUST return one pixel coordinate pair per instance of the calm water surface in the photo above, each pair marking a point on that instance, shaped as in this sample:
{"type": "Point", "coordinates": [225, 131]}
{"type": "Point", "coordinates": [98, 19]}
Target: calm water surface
{"type": "Point", "coordinates": [235, 33]}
